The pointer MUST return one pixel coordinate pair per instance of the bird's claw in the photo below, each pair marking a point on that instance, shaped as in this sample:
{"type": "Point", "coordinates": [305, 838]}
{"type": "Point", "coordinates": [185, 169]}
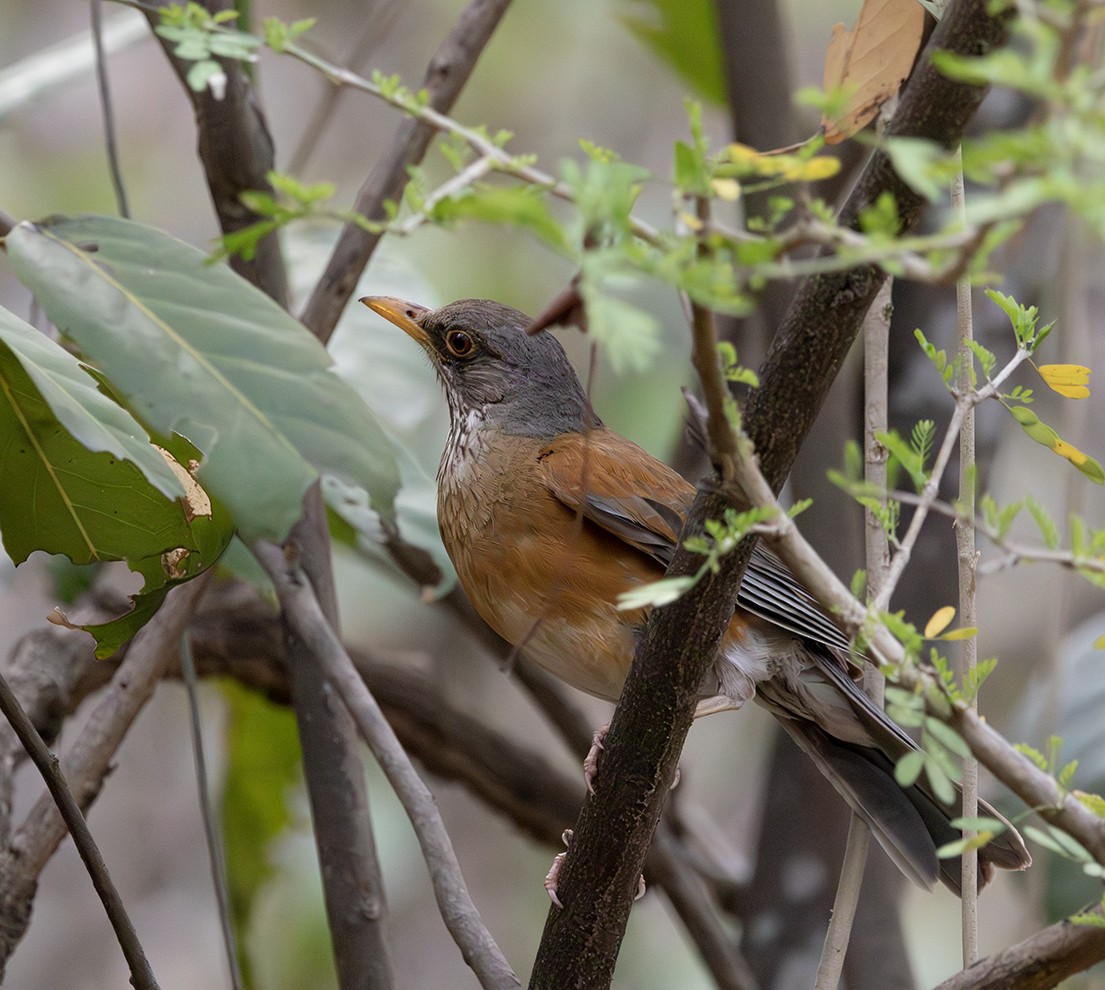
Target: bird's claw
{"type": "Point", "coordinates": [552, 878]}
{"type": "Point", "coordinates": [591, 760]}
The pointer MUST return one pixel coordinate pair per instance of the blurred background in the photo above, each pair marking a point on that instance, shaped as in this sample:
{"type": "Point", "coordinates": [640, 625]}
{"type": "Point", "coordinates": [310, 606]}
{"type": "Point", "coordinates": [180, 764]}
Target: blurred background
{"type": "Point", "coordinates": [553, 73]}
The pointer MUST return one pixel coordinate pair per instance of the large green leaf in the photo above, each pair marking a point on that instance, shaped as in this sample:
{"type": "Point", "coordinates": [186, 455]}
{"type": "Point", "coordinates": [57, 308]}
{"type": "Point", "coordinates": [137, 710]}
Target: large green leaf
{"type": "Point", "coordinates": [79, 475]}
{"type": "Point", "coordinates": [194, 349]}
{"type": "Point", "coordinates": [685, 34]}
{"type": "Point", "coordinates": [210, 531]}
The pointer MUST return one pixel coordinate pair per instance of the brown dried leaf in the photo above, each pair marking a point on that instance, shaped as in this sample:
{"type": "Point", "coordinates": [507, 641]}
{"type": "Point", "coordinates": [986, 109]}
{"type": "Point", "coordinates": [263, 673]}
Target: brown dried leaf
{"type": "Point", "coordinates": [872, 60]}
{"type": "Point", "coordinates": [196, 501]}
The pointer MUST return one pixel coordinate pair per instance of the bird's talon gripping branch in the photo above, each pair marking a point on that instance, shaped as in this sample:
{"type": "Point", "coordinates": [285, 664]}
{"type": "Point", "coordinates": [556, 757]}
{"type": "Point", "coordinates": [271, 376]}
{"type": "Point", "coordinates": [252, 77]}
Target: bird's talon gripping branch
{"type": "Point", "coordinates": [552, 878]}
{"type": "Point", "coordinates": [591, 760]}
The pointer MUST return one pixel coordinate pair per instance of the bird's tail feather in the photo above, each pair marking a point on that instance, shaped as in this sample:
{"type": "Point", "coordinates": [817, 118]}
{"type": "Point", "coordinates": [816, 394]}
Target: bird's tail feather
{"type": "Point", "coordinates": [909, 823]}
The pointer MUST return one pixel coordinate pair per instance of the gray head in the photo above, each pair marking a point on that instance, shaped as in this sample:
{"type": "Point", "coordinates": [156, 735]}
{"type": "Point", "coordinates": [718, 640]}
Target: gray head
{"type": "Point", "coordinates": [488, 363]}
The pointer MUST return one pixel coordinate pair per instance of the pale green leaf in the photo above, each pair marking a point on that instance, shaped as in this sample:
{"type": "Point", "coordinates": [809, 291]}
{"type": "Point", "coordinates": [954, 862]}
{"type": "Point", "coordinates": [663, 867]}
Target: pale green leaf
{"type": "Point", "coordinates": [196, 350]}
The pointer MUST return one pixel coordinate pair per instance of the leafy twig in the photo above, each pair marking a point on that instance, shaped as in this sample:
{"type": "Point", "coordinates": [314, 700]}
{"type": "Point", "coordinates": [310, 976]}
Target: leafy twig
{"type": "Point", "coordinates": [446, 75]}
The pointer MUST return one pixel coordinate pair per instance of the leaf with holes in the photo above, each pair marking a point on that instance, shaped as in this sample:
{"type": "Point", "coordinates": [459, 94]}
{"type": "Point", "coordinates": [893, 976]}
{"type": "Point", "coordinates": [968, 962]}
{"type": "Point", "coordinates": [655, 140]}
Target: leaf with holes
{"type": "Point", "coordinates": [80, 475]}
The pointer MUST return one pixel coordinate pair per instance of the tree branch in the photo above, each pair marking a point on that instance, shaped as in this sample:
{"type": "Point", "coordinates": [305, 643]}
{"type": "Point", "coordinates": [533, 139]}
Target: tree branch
{"type": "Point", "coordinates": [445, 77]}
{"type": "Point", "coordinates": [236, 149]}
{"type": "Point", "coordinates": [89, 758]}
{"type": "Point", "coordinates": [1038, 963]}
{"type": "Point", "coordinates": [303, 613]}
{"type": "Point", "coordinates": [141, 974]}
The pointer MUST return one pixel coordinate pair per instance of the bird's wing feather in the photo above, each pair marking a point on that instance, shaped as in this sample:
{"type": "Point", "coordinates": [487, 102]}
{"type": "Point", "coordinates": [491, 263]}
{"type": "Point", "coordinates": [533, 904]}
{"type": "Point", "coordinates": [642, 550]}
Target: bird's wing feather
{"type": "Point", "coordinates": [620, 488]}
{"type": "Point", "coordinates": [644, 503]}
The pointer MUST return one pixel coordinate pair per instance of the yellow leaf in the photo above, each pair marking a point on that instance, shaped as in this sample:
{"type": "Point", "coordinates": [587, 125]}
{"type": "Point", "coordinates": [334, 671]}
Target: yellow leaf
{"type": "Point", "coordinates": [1099, 643]}
{"type": "Point", "coordinates": [940, 621]}
{"type": "Point", "coordinates": [1070, 452]}
{"type": "Point", "coordinates": [727, 189]}
{"type": "Point", "coordinates": [820, 167]}
{"type": "Point", "coordinates": [742, 154]}
{"type": "Point", "coordinates": [1095, 802]}
{"type": "Point", "coordinates": [1067, 379]}
{"type": "Point", "coordinates": [750, 160]}
{"type": "Point", "coordinates": [692, 222]}
{"type": "Point", "coordinates": [872, 60]}
{"type": "Point", "coordinates": [964, 632]}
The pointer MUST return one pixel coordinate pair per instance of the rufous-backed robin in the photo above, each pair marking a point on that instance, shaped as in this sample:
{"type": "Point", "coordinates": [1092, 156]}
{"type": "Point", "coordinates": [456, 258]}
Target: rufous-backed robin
{"type": "Point", "coordinates": [548, 516]}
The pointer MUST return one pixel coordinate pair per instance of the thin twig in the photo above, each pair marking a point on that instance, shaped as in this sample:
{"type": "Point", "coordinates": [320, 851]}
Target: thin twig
{"type": "Point", "coordinates": [141, 974]}
{"type": "Point", "coordinates": [88, 760]}
{"type": "Point", "coordinates": [1039, 790]}
{"type": "Point", "coordinates": [445, 77]}
{"type": "Point", "coordinates": [207, 812]}
{"type": "Point", "coordinates": [876, 326]}
{"type": "Point", "coordinates": [108, 110]}
{"type": "Point", "coordinates": [303, 613]}
{"type": "Point", "coordinates": [967, 555]}
{"type": "Point", "coordinates": [722, 437]}
{"type": "Point", "coordinates": [965, 401]}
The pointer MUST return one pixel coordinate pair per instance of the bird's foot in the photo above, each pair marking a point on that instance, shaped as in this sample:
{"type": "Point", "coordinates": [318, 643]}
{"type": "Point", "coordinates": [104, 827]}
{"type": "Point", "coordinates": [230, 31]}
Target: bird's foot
{"type": "Point", "coordinates": [591, 761]}
{"type": "Point", "coordinates": [552, 878]}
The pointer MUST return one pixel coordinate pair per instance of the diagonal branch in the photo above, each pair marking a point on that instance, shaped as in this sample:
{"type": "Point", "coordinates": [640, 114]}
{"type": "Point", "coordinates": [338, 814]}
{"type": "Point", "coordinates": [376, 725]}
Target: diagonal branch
{"type": "Point", "coordinates": [445, 77]}
{"type": "Point", "coordinates": [305, 616]}
{"type": "Point", "coordinates": [89, 758]}
{"type": "Point", "coordinates": [142, 976]}
{"type": "Point", "coordinates": [236, 149]}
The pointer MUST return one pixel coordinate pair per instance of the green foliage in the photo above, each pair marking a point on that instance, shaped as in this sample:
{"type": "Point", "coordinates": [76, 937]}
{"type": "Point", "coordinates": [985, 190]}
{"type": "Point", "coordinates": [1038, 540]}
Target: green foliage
{"type": "Point", "coordinates": [522, 207]}
{"type": "Point", "coordinates": [720, 538]}
{"type": "Point", "coordinates": [81, 477]}
{"type": "Point", "coordinates": [732, 369]}
{"type": "Point", "coordinates": [196, 350]}
{"type": "Point", "coordinates": [278, 35]}
{"type": "Point", "coordinates": [1023, 319]}
{"type": "Point", "coordinates": [201, 38]}
{"type": "Point", "coordinates": [911, 456]}
{"type": "Point", "coordinates": [262, 764]}
{"type": "Point", "coordinates": [687, 38]}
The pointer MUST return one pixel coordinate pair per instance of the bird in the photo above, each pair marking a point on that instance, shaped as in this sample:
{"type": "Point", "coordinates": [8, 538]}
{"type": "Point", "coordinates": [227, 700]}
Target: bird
{"type": "Point", "coordinates": [549, 516]}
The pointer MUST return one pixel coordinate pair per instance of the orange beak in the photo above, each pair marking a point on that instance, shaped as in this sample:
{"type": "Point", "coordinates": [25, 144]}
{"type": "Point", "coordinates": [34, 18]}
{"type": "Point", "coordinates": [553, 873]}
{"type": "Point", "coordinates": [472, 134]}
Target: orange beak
{"type": "Point", "coordinates": [403, 314]}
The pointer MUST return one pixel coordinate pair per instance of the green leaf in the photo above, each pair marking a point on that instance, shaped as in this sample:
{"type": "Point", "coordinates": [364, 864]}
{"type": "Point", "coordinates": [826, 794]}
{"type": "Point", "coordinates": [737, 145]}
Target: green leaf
{"type": "Point", "coordinates": [262, 764]}
{"type": "Point", "coordinates": [1059, 843]}
{"type": "Point", "coordinates": [80, 476]}
{"type": "Point", "coordinates": [630, 336]}
{"type": "Point", "coordinates": [939, 780]}
{"type": "Point", "coordinates": [922, 164]}
{"type": "Point", "coordinates": [196, 350]}
{"type": "Point", "coordinates": [980, 823]}
{"type": "Point", "coordinates": [946, 735]}
{"type": "Point", "coordinates": [655, 593]}
{"type": "Point", "coordinates": [908, 768]}
{"type": "Point", "coordinates": [685, 34]}
{"type": "Point", "coordinates": [516, 206]}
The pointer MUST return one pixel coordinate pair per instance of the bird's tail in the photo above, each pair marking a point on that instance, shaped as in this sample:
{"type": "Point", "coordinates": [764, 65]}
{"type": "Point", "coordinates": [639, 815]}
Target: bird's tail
{"type": "Point", "coordinates": [910, 823]}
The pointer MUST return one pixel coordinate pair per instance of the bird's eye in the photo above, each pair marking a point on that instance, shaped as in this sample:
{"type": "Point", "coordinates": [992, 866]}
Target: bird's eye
{"type": "Point", "coordinates": [460, 344]}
